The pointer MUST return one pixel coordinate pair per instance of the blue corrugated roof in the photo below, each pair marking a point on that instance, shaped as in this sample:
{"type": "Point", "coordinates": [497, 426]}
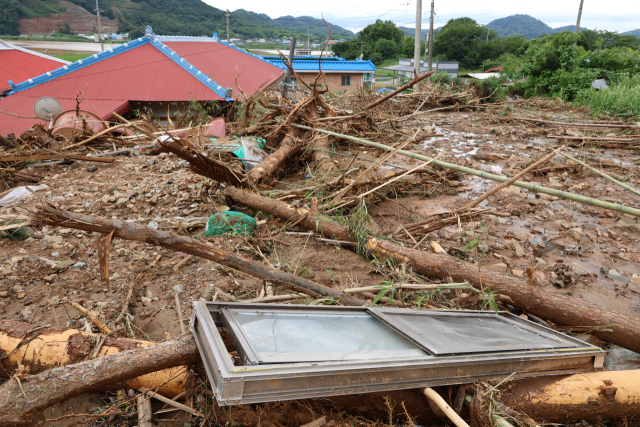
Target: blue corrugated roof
{"type": "Point", "coordinates": [329, 65]}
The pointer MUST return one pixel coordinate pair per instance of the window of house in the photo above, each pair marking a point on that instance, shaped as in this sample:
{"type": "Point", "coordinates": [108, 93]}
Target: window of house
{"type": "Point", "coordinates": [285, 351]}
{"type": "Point", "coordinates": [346, 80]}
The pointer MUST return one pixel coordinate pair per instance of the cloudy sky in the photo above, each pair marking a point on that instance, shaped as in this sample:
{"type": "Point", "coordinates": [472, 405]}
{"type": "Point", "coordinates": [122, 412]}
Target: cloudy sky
{"type": "Point", "coordinates": [613, 15]}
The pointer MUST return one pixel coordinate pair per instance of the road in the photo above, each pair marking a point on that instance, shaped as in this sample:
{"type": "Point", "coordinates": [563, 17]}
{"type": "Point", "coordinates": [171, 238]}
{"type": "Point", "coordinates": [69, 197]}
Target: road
{"type": "Point", "coordinates": [53, 45]}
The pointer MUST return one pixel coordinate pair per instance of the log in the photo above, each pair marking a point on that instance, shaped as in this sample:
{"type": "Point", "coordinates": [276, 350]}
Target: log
{"type": "Point", "coordinates": [48, 215]}
{"type": "Point", "coordinates": [592, 396]}
{"type": "Point", "coordinates": [545, 303]}
{"type": "Point", "coordinates": [145, 413]}
{"type": "Point", "coordinates": [53, 346]}
{"type": "Point", "coordinates": [324, 163]}
{"type": "Point", "coordinates": [267, 167]}
{"type": "Point", "coordinates": [22, 402]}
{"type": "Point", "coordinates": [576, 125]}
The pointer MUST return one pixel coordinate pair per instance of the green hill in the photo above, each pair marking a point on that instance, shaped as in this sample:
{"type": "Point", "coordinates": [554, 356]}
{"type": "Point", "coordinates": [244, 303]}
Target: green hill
{"type": "Point", "coordinates": [567, 28]}
{"type": "Point", "coordinates": [632, 33]}
{"type": "Point", "coordinates": [514, 25]}
{"type": "Point", "coordinates": [174, 17]}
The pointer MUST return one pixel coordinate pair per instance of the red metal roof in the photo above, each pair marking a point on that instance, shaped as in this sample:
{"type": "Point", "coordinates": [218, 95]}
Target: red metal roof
{"type": "Point", "coordinates": [18, 66]}
{"type": "Point", "coordinates": [23, 106]}
{"type": "Point", "coordinates": [224, 63]}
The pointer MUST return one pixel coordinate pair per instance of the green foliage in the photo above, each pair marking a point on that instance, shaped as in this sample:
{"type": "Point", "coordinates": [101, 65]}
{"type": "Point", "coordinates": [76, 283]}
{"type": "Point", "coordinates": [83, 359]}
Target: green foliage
{"type": "Point", "coordinates": [11, 13]}
{"type": "Point", "coordinates": [515, 25]}
{"type": "Point", "coordinates": [378, 42]}
{"type": "Point", "coordinates": [65, 28]}
{"type": "Point", "coordinates": [622, 99]}
{"type": "Point", "coordinates": [39, 8]}
{"type": "Point", "coordinates": [491, 89]}
{"type": "Point", "coordinates": [441, 77]}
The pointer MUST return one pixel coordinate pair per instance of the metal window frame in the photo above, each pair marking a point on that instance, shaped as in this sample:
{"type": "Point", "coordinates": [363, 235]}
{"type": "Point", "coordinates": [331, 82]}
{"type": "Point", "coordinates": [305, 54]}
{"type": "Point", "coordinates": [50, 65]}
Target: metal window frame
{"type": "Point", "coordinates": [276, 382]}
{"type": "Point", "coordinates": [343, 80]}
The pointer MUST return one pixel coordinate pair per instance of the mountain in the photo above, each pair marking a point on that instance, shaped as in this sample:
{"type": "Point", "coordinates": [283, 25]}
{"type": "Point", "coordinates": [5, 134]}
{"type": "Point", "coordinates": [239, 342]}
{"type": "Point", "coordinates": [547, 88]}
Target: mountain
{"type": "Point", "coordinates": [167, 17]}
{"type": "Point", "coordinates": [411, 32]}
{"type": "Point", "coordinates": [514, 25]}
{"type": "Point", "coordinates": [567, 28]}
{"type": "Point", "coordinates": [632, 33]}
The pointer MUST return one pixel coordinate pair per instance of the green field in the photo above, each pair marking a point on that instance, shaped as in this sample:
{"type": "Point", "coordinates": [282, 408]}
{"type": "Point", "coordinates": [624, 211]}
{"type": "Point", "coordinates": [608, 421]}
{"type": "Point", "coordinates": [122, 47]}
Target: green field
{"type": "Point", "coordinates": [71, 57]}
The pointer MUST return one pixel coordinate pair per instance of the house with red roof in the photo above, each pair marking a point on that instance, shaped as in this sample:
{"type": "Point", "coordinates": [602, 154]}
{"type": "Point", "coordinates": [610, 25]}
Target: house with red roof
{"type": "Point", "coordinates": [18, 64]}
{"type": "Point", "coordinates": [155, 72]}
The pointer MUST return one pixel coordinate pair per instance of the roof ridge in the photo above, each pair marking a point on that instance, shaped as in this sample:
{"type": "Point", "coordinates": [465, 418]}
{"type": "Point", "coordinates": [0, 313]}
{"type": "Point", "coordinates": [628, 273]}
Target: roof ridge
{"type": "Point", "coordinates": [191, 69]}
{"type": "Point", "coordinates": [74, 66]}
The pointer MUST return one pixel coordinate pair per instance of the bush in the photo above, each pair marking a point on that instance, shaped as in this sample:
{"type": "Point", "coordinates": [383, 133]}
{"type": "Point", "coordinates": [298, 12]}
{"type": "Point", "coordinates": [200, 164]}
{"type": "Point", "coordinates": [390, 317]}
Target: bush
{"type": "Point", "coordinates": [622, 99]}
{"type": "Point", "coordinates": [491, 89]}
{"type": "Point", "coordinates": [441, 77]}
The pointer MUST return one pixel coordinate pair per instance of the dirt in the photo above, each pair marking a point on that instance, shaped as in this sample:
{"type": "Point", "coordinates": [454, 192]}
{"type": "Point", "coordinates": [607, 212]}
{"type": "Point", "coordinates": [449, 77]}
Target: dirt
{"type": "Point", "coordinates": [79, 19]}
{"type": "Point", "coordinates": [571, 245]}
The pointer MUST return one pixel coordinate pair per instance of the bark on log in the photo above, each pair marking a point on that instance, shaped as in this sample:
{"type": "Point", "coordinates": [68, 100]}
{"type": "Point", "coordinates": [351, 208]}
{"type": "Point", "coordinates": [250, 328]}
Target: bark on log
{"type": "Point", "coordinates": [554, 399]}
{"type": "Point", "coordinates": [132, 231]}
{"type": "Point", "coordinates": [322, 159]}
{"type": "Point", "coordinates": [542, 302]}
{"type": "Point", "coordinates": [22, 403]}
{"type": "Point", "coordinates": [267, 167]}
{"type": "Point", "coordinates": [54, 346]}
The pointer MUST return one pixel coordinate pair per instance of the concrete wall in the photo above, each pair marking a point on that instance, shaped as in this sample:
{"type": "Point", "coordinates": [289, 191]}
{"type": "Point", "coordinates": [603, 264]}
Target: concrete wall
{"type": "Point", "coordinates": [333, 81]}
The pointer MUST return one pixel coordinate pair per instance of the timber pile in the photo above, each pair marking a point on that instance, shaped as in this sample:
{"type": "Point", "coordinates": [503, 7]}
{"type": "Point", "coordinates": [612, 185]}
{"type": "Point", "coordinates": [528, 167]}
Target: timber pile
{"type": "Point", "coordinates": [122, 252]}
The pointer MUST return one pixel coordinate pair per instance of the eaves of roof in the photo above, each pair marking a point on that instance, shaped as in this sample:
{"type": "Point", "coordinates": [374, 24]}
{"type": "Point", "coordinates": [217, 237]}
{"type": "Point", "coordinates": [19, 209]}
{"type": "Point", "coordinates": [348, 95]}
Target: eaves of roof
{"type": "Point", "coordinates": [329, 66]}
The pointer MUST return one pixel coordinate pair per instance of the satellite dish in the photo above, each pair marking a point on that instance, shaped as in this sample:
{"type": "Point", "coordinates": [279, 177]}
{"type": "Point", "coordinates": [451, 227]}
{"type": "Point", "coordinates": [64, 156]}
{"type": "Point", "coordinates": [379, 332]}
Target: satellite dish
{"type": "Point", "coordinates": [48, 109]}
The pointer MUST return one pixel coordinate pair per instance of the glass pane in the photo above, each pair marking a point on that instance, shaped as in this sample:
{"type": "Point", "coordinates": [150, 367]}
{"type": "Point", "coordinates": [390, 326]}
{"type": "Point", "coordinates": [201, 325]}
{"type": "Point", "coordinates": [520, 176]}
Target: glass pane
{"type": "Point", "coordinates": [464, 333]}
{"type": "Point", "coordinates": [279, 337]}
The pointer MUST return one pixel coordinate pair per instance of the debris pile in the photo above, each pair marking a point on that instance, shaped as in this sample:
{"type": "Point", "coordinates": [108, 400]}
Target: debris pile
{"type": "Point", "coordinates": [356, 199]}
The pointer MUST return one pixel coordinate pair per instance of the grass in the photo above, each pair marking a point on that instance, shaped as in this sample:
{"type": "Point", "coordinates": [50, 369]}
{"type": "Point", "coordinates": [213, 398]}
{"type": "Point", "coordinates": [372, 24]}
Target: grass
{"type": "Point", "coordinates": [621, 100]}
{"type": "Point", "coordinates": [71, 57]}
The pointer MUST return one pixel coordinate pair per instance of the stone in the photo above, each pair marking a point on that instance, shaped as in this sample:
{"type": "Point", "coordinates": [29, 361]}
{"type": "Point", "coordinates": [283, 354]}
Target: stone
{"type": "Point", "coordinates": [634, 284]}
{"type": "Point", "coordinates": [4, 294]}
{"type": "Point", "coordinates": [55, 300]}
{"type": "Point", "coordinates": [26, 314]}
{"type": "Point", "coordinates": [79, 264]}
{"type": "Point", "coordinates": [102, 304]}
{"type": "Point", "coordinates": [496, 246]}
{"type": "Point", "coordinates": [63, 264]}
{"type": "Point", "coordinates": [178, 289]}
{"type": "Point", "coordinates": [578, 269]}
{"type": "Point", "coordinates": [153, 224]}
{"type": "Point", "coordinates": [518, 249]}
{"type": "Point", "coordinates": [614, 275]}
{"type": "Point", "coordinates": [122, 200]}
{"type": "Point", "coordinates": [146, 301]}
{"type": "Point", "coordinates": [92, 168]}
{"type": "Point", "coordinates": [517, 273]}
{"type": "Point", "coordinates": [499, 267]}
{"type": "Point", "coordinates": [541, 262]}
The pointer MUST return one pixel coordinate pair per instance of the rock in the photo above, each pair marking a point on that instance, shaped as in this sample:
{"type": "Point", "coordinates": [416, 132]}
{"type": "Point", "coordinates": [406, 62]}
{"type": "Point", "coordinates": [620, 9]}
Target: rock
{"type": "Point", "coordinates": [634, 284]}
{"type": "Point", "coordinates": [496, 246]}
{"type": "Point", "coordinates": [614, 275]}
{"type": "Point", "coordinates": [146, 301]}
{"type": "Point", "coordinates": [92, 168]}
{"type": "Point", "coordinates": [26, 314]}
{"type": "Point", "coordinates": [499, 267]}
{"type": "Point", "coordinates": [79, 264]}
{"type": "Point", "coordinates": [153, 224]}
{"type": "Point", "coordinates": [540, 261]}
{"type": "Point", "coordinates": [102, 304]}
{"type": "Point", "coordinates": [55, 300]}
{"type": "Point", "coordinates": [483, 248]}
{"type": "Point", "coordinates": [518, 249]}
{"type": "Point", "coordinates": [63, 264]}
{"type": "Point", "coordinates": [517, 273]}
{"type": "Point", "coordinates": [52, 239]}
{"type": "Point", "coordinates": [178, 289]}
{"type": "Point", "coordinates": [153, 290]}
{"type": "Point", "coordinates": [121, 201]}
{"type": "Point", "coordinates": [115, 276]}
{"type": "Point", "coordinates": [4, 294]}
{"type": "Point", "coordinates": [578, 269]}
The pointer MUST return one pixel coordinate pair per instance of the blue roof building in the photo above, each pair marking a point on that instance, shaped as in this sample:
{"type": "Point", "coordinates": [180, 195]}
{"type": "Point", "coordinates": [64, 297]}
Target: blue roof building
{"type": "Point", "coordinates": [340, 74]}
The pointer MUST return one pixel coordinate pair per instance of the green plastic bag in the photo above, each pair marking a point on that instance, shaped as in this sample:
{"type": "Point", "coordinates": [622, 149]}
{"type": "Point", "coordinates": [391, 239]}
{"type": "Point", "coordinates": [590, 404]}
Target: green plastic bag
{"type": "Point", "coordinates": [230, 222]}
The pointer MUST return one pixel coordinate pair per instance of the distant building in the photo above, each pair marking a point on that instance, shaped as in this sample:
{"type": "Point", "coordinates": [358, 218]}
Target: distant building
{"type": "Point", "coordinates": [405, 67]}
{"type": "Point", "coordinates": [156, 72]}
{"type": "Point", "coordinates": [339, 73]}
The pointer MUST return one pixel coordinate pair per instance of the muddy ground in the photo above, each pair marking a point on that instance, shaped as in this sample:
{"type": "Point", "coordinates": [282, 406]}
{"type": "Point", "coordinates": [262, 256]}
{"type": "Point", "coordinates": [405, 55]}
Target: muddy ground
{"type": "Point", "coordinates": [582, 250]}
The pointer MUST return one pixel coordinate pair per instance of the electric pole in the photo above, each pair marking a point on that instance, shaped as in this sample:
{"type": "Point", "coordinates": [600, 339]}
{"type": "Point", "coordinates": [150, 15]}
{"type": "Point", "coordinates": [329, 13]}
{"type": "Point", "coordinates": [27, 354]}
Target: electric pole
{"type": "Point", "coordinates": [416, 49]}
{"type": "Point", "coordinates": [430, 42]}
{"type": "Point", "coordinates": [99, 27]}
{"type": "Point", "coordinates": [362, 49]}
{"type": "Point", "coordinates": [228, 30]}
{"type": "Point", "coordinates": [578, 23]}
{"type": "Point", "coordinates": [308, 45]}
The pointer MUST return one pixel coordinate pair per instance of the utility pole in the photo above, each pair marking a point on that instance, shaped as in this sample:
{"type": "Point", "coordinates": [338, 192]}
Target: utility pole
{"type": "Point", "coordinates": [416, 49]}
{"type": "Point", "coordinates": [228, 30]}
{"type": "Point", "coordinates": [308, 45]}
{"type": "Point", "coordinates": [99, 27]}
{"type": "Point", "coordinates": [287, 76]}
{"type": "Point", "coordinates": [578, 23]}
{"type": "Point", "coordinates": [430, 42]}
{"type": "Point", "coordinates": [362, 49]}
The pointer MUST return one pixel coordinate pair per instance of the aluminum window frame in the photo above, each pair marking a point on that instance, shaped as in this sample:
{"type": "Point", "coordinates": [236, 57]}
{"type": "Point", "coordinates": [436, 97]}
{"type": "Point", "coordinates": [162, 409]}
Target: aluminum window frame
{"type": "Point", "coordinates": [234, 385]}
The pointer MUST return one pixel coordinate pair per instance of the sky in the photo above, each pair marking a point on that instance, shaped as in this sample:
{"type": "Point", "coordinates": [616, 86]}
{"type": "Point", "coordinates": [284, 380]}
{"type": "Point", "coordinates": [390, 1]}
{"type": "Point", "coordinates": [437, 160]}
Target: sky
{"type": "Point", "coordinates": [618, 15]}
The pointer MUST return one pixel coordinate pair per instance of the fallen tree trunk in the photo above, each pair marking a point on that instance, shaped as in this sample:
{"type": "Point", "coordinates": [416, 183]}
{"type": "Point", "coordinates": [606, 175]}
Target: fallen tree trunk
{"type": "Point", "coordinates": [22, 402]}
{"type": "Point", "coordinates": [322, 159]}
{"type": "Point", "coordinates": [48, 215]}
{"type": "Point", "coordinates": [592, 396]}
{"type": "Point", "coordinates": [542, 302]}
{"type": "Point", "coordinates": [266, 168]}
{"type": "Point", "coordinates": [41, 348]}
